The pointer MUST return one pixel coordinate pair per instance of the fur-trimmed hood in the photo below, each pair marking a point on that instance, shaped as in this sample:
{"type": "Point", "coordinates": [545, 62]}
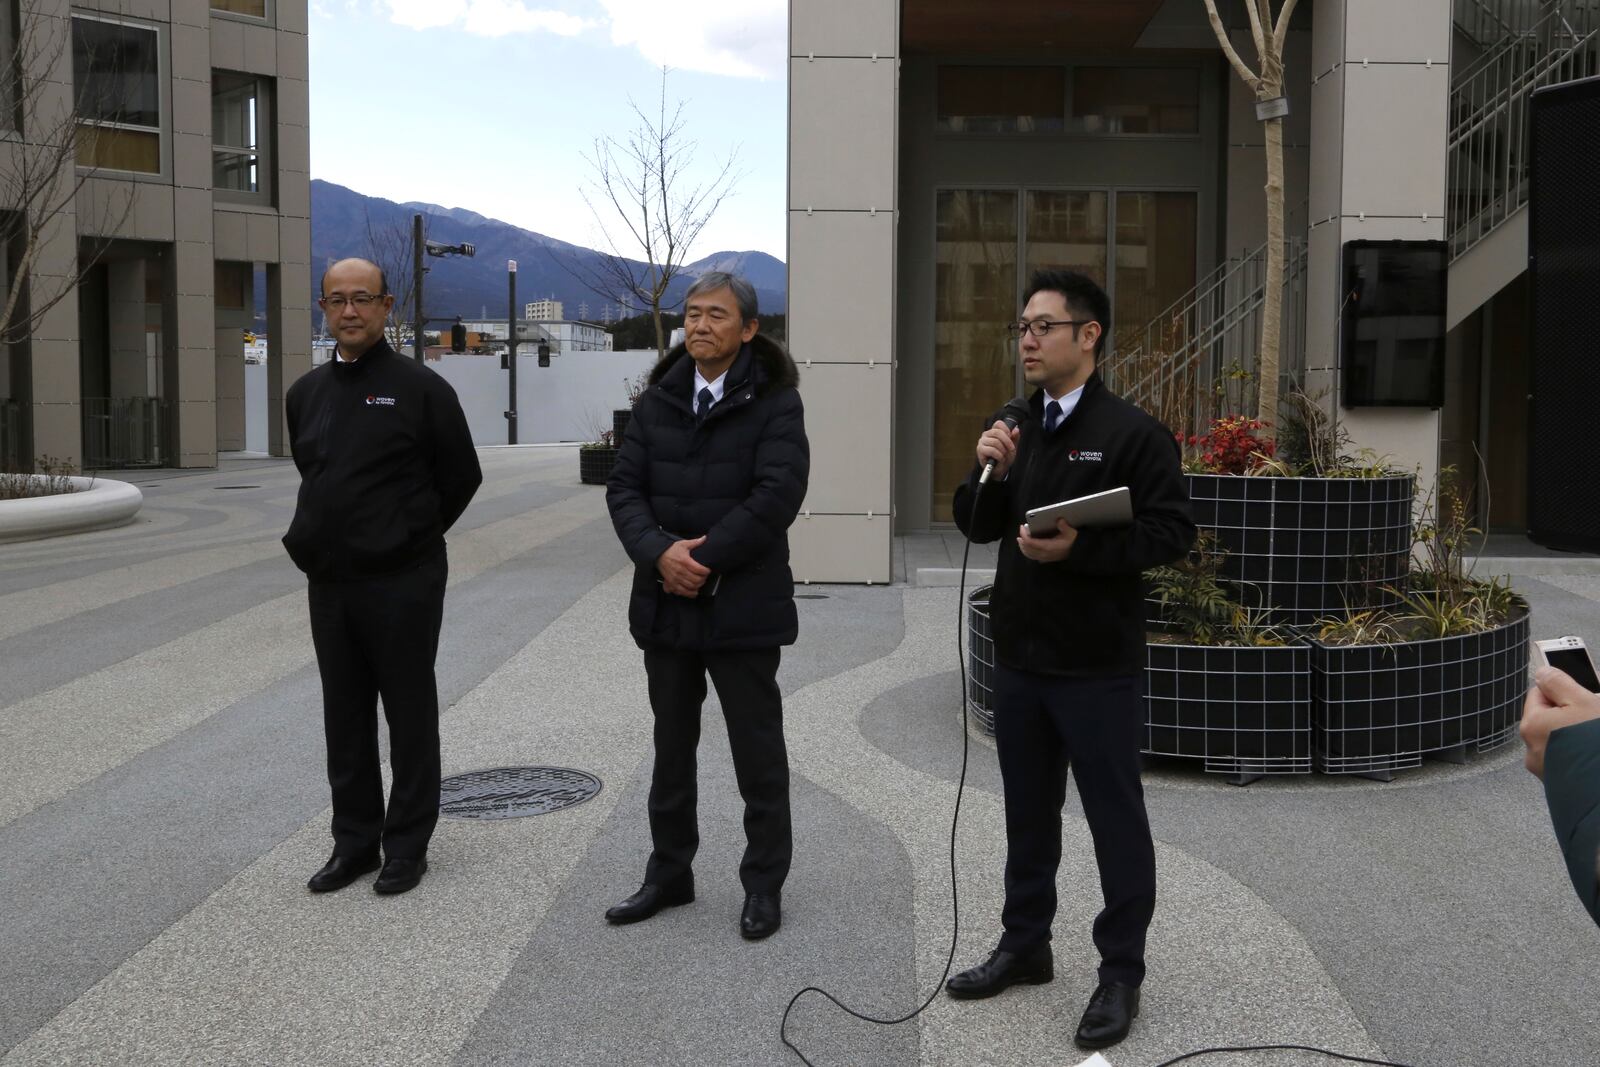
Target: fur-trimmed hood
{"type": "Point", "coordinates": [770, 365]}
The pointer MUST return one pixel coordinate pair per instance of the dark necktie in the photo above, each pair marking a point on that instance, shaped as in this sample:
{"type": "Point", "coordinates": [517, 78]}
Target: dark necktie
{"type": "Point", "coordinates": [705, 404]}
{"type": "Point", "coordinates": [1052, 416]}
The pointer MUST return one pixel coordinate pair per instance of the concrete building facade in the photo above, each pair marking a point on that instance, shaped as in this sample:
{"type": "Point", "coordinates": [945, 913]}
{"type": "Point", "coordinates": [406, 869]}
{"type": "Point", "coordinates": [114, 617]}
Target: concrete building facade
{"type": "Point", "coordinates": [191, 123]}
{"type": "Point", "coordinates": [986, 138]}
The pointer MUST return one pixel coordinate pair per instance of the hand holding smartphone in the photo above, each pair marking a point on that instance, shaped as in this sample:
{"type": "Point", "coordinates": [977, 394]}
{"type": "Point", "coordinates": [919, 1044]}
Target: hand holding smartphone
{"type": "Point", "coordinates": [1567, 654]}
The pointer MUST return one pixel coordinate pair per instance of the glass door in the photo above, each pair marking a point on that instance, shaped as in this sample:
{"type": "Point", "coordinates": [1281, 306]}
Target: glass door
{"type": "Point", "coordinates": [975, 279]}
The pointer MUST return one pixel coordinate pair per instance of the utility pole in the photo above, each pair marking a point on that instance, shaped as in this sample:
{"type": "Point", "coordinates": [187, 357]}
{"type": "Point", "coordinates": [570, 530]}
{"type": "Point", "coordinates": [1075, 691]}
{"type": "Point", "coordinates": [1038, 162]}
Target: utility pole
{"type": "Point", "coordinates": [511, 359]}
{"type": "Point", "coordinates": [417, 271]}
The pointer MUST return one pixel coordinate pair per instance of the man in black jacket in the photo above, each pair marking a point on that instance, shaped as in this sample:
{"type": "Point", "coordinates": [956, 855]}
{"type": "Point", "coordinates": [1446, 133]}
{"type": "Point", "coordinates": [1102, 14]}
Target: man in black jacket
{"type": "Point", "coordinates": [1561, 727]}
{"type": "Point", "coordinates": [1068, 618]}
{"type": "Point", "coordinates": [711, 474]}
{"type": "Point", "coordinates": [386, 466]}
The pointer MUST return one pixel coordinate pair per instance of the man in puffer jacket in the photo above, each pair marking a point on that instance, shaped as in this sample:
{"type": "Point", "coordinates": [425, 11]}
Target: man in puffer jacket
{"type": "Point", "coordinates": [711, 474]}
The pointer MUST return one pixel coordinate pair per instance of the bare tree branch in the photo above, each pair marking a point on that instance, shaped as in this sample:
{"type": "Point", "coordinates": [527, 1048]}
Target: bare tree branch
{"type": "Point", "coordinates": [389, 246]}
{"type": "Point", "coordinates": [644, 183]}
{"type": "Point", "coordinates": [1256, 33]}
{"type": "Point", "coordinates": [1244, 72]}
{"type": "Point", "coordinates": [1280, 34]}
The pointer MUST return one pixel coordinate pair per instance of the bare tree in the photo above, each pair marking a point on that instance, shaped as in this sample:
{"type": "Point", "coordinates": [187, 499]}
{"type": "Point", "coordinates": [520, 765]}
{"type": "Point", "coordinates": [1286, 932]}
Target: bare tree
{"type": "Point", "coordinates": [1269, 34]}
{"type": "Point", "coordinates": [41, 176]}
{"type": "Point", "coordinates": [389, 246]}
{"type": "Point", "coordinates": [659, 212]}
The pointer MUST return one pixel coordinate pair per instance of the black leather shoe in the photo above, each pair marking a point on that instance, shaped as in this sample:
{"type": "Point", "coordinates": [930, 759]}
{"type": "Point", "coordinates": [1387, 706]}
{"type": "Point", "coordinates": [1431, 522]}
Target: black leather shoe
{"type": "Point", "coordinates": [1001, 970]}
{"type": "Point", "coordinates": [650, 899]}
{"type": "Point", "coordinates": [1110, 1012]}
{"type": "Point", "coordinates": [340, 871]}
{"type": "Point", "coordinates": [400, 874]}
{"type": "Point", "coordinates": [762, 916]}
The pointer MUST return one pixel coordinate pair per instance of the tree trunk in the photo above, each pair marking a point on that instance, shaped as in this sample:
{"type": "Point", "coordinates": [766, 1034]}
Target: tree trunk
{"type": "Point", "coordinates": [1272, 301]}
{"type": "Point", "coordinates": [661, 341]}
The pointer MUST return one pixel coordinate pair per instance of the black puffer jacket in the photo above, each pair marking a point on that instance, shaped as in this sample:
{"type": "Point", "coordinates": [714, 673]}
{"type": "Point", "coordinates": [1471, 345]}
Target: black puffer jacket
{"type": "Point", "coordinates": [738, 478]}
{"type": "Point", "coordinates": [1083, 616]}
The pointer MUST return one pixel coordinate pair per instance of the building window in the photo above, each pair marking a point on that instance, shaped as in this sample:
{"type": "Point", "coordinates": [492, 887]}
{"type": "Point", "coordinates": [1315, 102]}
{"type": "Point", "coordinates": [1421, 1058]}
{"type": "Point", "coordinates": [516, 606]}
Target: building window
{"type": "Point", "coordinates": [241, 126]}
{"type": "Point", "coordinates": [1140, 100]}
{"type": "Point", "coordinates": [116, 69]}
{"type": "Point", "coordinates": [251, 8]}
{"type": "Point", "coordinates": [1002, 99]}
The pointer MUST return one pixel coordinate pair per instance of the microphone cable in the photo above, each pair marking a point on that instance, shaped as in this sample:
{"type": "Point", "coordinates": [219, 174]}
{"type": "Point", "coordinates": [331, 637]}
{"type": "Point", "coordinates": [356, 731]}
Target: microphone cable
{"type": "Point", "coordinates": [955, 818]}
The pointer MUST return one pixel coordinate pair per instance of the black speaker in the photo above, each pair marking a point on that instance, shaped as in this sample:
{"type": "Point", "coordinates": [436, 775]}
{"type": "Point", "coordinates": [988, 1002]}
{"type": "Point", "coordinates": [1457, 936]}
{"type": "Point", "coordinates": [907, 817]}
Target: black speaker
{"type": "Point", "coordinates": [1564, 278]}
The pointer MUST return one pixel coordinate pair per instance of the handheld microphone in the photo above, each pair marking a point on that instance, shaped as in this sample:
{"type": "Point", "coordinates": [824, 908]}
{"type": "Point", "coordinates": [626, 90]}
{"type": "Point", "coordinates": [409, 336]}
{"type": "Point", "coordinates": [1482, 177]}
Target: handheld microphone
{"type": "Point", "coordinates": [1013, 414]}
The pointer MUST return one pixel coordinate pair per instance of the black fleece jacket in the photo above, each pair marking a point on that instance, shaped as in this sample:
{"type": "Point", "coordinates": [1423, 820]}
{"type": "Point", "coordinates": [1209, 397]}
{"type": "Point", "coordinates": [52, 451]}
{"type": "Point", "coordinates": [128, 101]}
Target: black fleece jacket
{"type": "Point", "coordinates": [738, 478]}
{"type": "Point", "coordinates": [1083, 616]}
{"type": "Point", "coordinates": [386, 465]}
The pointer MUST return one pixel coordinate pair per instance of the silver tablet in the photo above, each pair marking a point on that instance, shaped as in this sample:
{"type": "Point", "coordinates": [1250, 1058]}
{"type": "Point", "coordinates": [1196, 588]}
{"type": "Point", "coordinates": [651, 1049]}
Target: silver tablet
{"type": "Point", "coordinates": [1112, 507]}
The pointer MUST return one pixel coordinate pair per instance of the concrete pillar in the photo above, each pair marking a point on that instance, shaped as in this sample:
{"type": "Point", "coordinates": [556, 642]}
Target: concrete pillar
{"type": "Point", "coordinates": [50, 376]}
{"type": "Point", "coordinates": [843, 218]}
{"type": "Point", "coordinates": [1379, 115]}
{"type": "Point", "coordinates": [288, 337]}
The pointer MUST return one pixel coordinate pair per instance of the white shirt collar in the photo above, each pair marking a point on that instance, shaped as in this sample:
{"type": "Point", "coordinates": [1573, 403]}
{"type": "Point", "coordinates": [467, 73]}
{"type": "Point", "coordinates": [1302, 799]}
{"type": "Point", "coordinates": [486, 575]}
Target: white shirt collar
{"type": "Point", "coordinates": [1067, 402]}
{"type": "Point", "coordinates": [715, 387]}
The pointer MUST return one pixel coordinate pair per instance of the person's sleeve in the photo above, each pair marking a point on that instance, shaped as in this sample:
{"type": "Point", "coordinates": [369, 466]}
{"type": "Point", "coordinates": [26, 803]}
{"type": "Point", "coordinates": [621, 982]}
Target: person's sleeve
{"type": "Point", "coordinates": [782, 471]}
{"type": "Point", "coordinates": [1162, 528]}
{"type": "Point", "coordinates": [456, 473]}
{"type": "Point", "coordinates": [291, 419]}
{"type": "Point", "coordinates": [628, 497]}
{"type": "Point", "coordinates": [1572, 790]}
{"type": "Point", "coordinates": [981, 515]}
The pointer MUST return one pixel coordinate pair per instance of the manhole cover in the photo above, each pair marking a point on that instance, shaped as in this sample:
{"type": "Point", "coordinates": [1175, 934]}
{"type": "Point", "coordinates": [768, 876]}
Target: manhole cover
{"type": "Point", "coordinates": [238, 487]}
{"type": "Point", "coordinates": [510, 792]}
{"type": "Point", "coordinates": [811, 596]}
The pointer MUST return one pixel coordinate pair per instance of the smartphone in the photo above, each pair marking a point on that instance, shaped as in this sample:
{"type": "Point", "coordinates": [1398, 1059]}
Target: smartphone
{"type": "Point", "coordinates": [1570, 655]}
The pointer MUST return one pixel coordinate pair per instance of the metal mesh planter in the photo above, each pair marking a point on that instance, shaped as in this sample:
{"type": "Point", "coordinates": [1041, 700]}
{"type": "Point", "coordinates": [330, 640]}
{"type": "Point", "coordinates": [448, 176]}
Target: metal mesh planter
{"type": "Point", "coordinates": [595, 463]}
{"type": "Point", "coordinates": [1243, 711]}
{"type": "Point", "coordinates": [1308, 547]}
{"type": "Point", "coordinates": [619, 423]}
{"type": "Point", "coordinates": [1379, 708]}
{"type": "Point", "coordinates": [980, 660]}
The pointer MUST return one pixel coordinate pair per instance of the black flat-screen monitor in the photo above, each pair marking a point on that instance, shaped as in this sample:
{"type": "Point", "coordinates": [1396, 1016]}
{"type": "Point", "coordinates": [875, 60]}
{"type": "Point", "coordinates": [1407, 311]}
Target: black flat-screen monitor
{"type": "Point", "coordinates": [1392, 323]}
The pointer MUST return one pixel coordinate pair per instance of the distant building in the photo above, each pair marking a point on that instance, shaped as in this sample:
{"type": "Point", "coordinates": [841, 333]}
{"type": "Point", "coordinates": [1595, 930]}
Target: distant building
{"type": "Point", "coordinates": [561, 335]}
{"type": "Point", "coordinates": [543, 311]}
{"type": "Point", "coordinates": [193, 119]}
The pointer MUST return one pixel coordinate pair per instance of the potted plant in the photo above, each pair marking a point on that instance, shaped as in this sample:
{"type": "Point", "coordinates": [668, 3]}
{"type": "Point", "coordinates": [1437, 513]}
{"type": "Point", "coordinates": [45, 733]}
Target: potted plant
{"type": "Point", "coordinates": [596, 458]}
{"type": "Point", "coordinates": [1444, 670]}
{"type": "Point", "coordinates": [1306, 533]}
{"type": "Point", "coordinates": [1222, 684]}
{"type": "Point", "coordinates": [620, 416]}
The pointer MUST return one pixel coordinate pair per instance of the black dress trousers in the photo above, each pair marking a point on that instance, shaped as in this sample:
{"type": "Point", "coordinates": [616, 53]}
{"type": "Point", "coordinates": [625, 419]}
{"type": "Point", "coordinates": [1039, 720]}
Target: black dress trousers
{"type": "Point", "coordinates": [1043, 724]}
{"type": "Point", "coordinates": [379, 637]}
{"type": "Point", "coordinates": [747, 686]}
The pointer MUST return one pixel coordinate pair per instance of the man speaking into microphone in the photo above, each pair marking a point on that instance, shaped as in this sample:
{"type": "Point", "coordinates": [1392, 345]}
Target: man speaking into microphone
{"type": "Point", "coordinates": [1068, 619]}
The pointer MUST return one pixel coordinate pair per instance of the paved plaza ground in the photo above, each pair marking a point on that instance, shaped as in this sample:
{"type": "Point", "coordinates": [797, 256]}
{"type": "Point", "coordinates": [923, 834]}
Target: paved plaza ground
{"type": "Point", "coordinates": [163, 800]}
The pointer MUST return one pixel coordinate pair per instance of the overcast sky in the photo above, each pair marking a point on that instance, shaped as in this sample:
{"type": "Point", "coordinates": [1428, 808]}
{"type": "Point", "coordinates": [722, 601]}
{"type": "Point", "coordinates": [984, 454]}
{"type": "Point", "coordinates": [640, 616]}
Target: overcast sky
{"type": "Point", "coordinates": [490, 105]}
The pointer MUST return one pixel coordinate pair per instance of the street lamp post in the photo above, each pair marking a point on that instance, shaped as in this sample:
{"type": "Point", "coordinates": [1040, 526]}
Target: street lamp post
{"type": "Point", "coordinates": [432, 248]}
{"type": "Point", "coordinates": [511, 359]}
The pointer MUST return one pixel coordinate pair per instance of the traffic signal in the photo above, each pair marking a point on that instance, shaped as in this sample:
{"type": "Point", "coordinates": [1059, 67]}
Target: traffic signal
{"type": "Point", "coordinates": [544, 355]}
{"type": "Point", "coordinates": [458, 337]}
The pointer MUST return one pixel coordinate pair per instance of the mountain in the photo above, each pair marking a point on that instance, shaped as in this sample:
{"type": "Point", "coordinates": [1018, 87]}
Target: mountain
{"type": "Point", "coordinates": [345, 223]}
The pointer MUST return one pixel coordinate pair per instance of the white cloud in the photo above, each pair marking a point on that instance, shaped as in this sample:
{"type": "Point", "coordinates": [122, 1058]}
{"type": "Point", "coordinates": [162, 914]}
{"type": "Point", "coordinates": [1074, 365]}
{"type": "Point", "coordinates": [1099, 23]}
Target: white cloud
{"type": "Point", "coordinates": [486, 18]}
{"type": "Point", "coordinates": [743, 40]}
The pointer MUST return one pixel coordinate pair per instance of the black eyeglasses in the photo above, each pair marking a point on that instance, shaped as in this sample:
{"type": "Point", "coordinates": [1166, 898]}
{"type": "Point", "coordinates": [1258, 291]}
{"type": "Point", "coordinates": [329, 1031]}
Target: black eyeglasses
{"type": "Point", "coordinates": [362, 301]}
{"type": "Point", "coordinates": [1040, 327]}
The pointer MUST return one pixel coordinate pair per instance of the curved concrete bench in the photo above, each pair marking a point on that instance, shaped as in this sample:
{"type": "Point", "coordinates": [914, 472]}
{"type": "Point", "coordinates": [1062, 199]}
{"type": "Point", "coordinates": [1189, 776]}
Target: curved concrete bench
{"type": "Point", "coordinates": [98, 503]}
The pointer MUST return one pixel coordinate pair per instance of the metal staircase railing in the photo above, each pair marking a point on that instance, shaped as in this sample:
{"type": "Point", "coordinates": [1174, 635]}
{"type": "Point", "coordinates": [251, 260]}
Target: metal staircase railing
{"type": "Point", "coordinates": [1488, 141]}
{"type": "Point", "coordinates": [1198, 357]}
